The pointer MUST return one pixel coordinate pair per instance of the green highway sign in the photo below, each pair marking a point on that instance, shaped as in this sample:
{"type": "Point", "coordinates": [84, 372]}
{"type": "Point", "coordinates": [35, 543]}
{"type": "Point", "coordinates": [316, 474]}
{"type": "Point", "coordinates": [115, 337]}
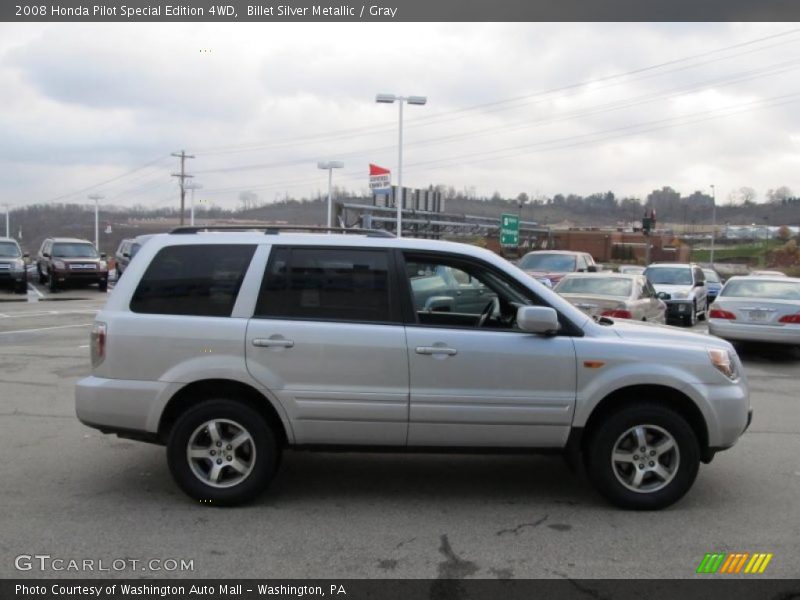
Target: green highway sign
{"type": "Point", "coordinates": [509, 230]}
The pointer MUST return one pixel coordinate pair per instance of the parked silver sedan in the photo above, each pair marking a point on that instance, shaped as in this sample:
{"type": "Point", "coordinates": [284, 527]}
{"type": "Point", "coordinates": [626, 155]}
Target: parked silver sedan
{"type": "Point", "coordinates": [613, 295]}
{"type": "Point", "coordinates": [757, 309]}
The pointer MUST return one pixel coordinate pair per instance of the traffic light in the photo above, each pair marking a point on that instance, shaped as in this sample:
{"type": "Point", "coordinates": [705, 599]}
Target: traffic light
{"type": "Point", "coordinates": [648, 222]}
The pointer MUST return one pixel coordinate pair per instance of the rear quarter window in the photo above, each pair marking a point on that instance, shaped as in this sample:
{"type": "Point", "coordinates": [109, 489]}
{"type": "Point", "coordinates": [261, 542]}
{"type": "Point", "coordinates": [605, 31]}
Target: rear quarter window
{"type": "Point", "coordinates": [199, 280]}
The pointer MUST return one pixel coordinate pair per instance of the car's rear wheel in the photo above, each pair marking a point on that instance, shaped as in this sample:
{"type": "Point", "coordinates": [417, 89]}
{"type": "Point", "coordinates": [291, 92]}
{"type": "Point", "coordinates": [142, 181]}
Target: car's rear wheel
{"type": "Point", "coordinates": [222, 452]}
{"type": "Point", "coordinates": [643, 457]}
{"type": "Point", "coordinates": [42, 278]}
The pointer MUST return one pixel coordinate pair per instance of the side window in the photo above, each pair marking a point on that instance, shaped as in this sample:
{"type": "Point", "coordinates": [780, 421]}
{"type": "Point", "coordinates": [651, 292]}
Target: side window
{"type": "Point", "coordinates": [489, 302]}
{"type": "Point", "coordinates": [334, 284]}
{"type": "Point", "coordinates": [649, 290]}
{"type": "Point", "coordinates": [201, 280]}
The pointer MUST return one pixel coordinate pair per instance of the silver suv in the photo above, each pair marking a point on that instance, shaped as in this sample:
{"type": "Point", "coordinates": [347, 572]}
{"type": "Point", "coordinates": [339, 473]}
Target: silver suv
{"type": "Point", "coordinates": [229, 347]}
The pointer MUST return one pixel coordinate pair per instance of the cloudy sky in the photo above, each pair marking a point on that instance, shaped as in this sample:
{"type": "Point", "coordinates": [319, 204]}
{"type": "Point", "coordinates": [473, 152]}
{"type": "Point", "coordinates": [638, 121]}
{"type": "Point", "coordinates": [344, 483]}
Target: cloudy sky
{"type": "Point", "coordinates": [536, 108]}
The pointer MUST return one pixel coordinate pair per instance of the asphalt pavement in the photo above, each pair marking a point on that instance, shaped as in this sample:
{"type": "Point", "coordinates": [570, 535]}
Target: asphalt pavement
{"type": "Point", "coordinates": [71, 492]}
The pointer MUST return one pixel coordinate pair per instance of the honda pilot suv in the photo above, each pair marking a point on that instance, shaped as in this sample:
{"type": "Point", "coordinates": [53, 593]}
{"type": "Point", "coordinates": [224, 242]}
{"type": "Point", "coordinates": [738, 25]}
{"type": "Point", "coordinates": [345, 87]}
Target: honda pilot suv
{"type": "Point", "coordinates": [13, 272]}
{"type": "Point", "coordinates": [64, 261]}
{"type": "Point", "coordinates": [229, 347]}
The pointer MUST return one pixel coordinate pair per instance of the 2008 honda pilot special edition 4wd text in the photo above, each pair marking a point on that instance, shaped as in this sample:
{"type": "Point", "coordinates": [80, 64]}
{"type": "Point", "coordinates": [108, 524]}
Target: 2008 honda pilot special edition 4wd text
{"type": "Point", "coordinates": [230, 346]}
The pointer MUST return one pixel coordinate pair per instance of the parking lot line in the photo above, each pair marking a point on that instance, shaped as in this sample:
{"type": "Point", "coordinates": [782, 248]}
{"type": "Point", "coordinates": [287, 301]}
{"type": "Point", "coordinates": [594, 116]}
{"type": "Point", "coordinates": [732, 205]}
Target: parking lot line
{"type": "Point", "coordinates": [45, 328]}
{"type": "Point", "coordinates": [33, 287]}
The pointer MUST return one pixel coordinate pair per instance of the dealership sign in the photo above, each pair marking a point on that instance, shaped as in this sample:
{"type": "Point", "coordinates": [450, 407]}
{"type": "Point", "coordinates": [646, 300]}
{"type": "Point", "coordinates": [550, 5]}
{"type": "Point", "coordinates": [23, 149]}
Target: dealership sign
{"type": "Point", "coordinates": [379, 178]}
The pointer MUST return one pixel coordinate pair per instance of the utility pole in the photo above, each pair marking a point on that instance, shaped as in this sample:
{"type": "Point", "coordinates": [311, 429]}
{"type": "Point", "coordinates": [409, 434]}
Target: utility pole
{"type": "Point", "coordinates": [183, 177]}
{"type": "Point", "coordinates": [8, 211]}
{"type": "Point", "coordinates": [713, 221]}
{"type": "Point", "coordinates": [96, 198]}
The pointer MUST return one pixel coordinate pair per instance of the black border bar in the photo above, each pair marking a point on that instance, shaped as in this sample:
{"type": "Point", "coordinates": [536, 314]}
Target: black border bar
{"type": "Point", "coordinates": [397, 10]}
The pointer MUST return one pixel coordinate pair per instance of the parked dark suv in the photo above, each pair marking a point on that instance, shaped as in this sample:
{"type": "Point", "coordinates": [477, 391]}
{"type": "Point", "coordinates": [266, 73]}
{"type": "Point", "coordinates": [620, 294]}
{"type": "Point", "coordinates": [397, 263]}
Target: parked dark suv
{"type": "Point", "coordinates": [126, 251]}
{"type": "Point", "coordinates": [12, 266]}
{"type": "Point", "coordinates": [64, 261]}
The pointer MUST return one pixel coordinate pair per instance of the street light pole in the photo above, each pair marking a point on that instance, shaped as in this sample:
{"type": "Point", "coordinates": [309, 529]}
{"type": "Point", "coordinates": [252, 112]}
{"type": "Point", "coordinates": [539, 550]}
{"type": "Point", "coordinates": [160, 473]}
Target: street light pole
{"type": "Point", "coordinates": [390, 99]}
{"type": "Point", "coordinates": [192, 186]}
{"type": "Point", "coordinates": [713, 221]}
{"type": "Point", "coordinates": [329, 166]}
{"type": "Point", "coordinates": [96, 198]}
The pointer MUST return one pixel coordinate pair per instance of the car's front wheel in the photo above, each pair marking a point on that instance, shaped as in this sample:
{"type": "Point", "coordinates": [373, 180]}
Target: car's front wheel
{"type": "Point", "coordinates": [643, 457]}
{"type": "Point", "coordinates": [222, 452]}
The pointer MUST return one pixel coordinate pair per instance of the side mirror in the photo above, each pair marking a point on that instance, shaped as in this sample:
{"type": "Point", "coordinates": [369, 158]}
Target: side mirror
{"type": "Point", "coordinates": [46, 254]}
{"type": "Point", "coordinates": [126, 255]}
{"type": "Point", "coordinates": [592, 269]}
{"type": "Point", "coordinates": [439, 304]}
{"type": "Point", "coordinates": [663, 296]}
{"type": "Point", "coordinates": [537, 319]}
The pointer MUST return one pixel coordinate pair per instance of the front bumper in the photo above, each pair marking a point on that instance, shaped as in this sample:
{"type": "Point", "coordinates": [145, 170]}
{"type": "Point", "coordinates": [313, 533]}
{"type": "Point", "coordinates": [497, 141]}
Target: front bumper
{"type": "Point", "coordinates": [677, 309]}
{"type": "Point", "coordinates": [91, 276]}
{"type": "Point", "coordinates": [770, 334]}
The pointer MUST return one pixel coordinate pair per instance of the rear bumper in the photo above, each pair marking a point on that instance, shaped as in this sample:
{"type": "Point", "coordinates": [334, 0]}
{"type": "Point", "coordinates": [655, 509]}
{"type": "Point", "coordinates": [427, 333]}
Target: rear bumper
{"type": "Point", "coordinates": [120, 405]}
{"type": "Point", "coordinates": [771, 334]}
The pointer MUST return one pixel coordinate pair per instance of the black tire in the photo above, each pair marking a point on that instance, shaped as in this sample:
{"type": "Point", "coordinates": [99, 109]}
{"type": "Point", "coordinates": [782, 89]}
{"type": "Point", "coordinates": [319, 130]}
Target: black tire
{"type": "Point", "coordinates": [52, 284]}
{"type": "Point", "coordinates": [604, 475]}
{"type": "Point", "coordinates": [264, 462]}
{"type": "Point", "coordinates": [42, 278]}
{"type": "Point", "coordinates": [691, 319]}
{"type": "Point", "coordinates": [22, 287]}
{"type": "Point", "coordinates": [103, 285]}
{"type": "Point", "coordinates": [702, 316]}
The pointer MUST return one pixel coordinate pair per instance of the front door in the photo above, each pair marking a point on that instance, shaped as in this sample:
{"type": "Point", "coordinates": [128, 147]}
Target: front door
{"type": "Point", "coordinates": [477, 380]}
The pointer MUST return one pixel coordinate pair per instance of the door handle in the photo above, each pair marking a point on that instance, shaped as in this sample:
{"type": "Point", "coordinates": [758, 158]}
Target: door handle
{"type": "Point", "coordinates": [272, 343]}
{"type": "Point", "coordinates": [429, 350]}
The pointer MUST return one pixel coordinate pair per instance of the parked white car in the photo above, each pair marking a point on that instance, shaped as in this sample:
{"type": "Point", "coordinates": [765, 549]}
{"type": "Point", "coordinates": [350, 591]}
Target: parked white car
{"type": "Point", "coordinates": [757, 309]}
{"type": "Point", "coordinates": [613, 295]}
{"type": "Point", "coordinates": [228, 347]}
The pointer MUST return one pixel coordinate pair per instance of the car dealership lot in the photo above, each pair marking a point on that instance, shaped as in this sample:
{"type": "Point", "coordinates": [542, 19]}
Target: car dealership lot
{"type": "Point", "coordinates": [72, 492]}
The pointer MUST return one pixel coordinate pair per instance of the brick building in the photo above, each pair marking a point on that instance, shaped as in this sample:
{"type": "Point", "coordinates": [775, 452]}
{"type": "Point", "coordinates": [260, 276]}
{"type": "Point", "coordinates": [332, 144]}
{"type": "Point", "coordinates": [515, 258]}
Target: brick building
{"type": "Point", "coordinates": [618, 246]}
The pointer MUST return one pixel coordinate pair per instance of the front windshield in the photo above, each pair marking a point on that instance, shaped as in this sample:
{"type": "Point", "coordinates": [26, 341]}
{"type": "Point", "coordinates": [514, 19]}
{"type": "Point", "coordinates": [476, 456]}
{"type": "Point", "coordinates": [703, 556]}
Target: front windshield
{"type": "Point", "coordinates": [9, 250]}
{"type": "Point", "coordinates": [669, 275]}
{"type": "Point", "coordinates": [74, 250]}
{"type": "Point", "coordinates": [548, 262]}
{"type": "Point", "coordinates": [711, 275]}
{"type": "Point", "coordinates": [600, 286]}
{"type": "Point", "coordinates": [753, 288]}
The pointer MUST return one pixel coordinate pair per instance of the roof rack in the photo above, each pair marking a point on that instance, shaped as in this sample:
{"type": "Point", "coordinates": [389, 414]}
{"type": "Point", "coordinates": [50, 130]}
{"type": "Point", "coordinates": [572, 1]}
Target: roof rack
{"type": "Point", "coordinates": [276, 229]}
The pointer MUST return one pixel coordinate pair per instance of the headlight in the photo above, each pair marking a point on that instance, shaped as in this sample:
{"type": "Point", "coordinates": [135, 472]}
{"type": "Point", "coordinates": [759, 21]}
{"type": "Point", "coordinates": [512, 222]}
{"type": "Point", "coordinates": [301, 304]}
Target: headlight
{"type": "Point", "coordinates": [680, 295]}
{"type": "Point", "coordinates": [18, 265]}
{"type": "Point", "coordinates": [59, 265]}
{"type": "Point", "coordinates": [724, 362]}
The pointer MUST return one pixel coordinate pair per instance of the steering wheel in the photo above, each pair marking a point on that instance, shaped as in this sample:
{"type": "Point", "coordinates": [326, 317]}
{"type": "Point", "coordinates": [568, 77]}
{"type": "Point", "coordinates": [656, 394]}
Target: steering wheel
{"type": "Point", "coordinates": [485, 314]}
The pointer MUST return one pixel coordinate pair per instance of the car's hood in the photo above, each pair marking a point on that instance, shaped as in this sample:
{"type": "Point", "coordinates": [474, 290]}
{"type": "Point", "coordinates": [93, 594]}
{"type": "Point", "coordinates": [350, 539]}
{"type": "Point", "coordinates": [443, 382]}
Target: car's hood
{"type": "Point", "coordinates": [664, 334]}
{"type": "Point", "coordinates": [671, 289]}
{"type": "Point", "coordinates": [553, 276]}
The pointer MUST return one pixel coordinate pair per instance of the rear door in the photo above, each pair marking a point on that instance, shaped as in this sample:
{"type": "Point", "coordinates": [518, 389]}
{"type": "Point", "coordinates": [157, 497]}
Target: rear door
{"type": "Point", "coordinates": [327, 339]}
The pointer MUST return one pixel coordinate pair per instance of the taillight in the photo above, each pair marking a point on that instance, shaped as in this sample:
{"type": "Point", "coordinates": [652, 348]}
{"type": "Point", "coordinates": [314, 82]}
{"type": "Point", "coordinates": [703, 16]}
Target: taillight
{"type": "Point", "coordinates": [793, 319]}
{"type": "Point", "coordinates": [618, 314]}
{"type": "Point", "coordinates": [98, 343]}
{"type": "Point", "coordinates": [718, 313]}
